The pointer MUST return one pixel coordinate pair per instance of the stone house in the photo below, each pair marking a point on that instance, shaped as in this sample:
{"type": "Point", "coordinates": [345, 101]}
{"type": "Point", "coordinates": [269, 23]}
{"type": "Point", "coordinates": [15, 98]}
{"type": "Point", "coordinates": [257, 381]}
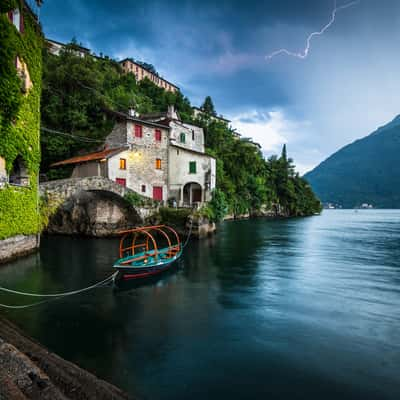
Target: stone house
{"type": "Point", "coordinates": [156, 155]}
{"type": "Point", "coordinates": [192, 173]}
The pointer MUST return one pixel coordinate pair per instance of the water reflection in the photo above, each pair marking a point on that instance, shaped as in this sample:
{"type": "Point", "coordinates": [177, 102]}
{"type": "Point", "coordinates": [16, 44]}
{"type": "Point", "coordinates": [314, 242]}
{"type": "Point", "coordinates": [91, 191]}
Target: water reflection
{"type": "Point", "coordinates": [302, 308]}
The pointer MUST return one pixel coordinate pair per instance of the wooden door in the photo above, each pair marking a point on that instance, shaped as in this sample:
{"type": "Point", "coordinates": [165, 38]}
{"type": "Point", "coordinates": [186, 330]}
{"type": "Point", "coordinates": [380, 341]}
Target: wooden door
{"type": "Point", "coordinates": [157, 193]}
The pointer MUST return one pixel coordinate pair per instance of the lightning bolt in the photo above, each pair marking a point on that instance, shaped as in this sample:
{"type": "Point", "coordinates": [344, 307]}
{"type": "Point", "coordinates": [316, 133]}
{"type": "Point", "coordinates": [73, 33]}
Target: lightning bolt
{"type": "Point", "coordinates": [302, 55]}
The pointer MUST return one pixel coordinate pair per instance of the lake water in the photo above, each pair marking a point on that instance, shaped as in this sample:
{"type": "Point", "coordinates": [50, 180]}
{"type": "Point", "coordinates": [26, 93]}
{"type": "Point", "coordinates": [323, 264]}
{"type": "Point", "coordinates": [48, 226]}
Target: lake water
{"type": "Point", "coordinates": [298, 309]}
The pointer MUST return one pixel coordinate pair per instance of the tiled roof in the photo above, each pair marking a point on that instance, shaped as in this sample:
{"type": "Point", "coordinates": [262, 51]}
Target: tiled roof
{"type": "Point", "coordinates": [89, 157]}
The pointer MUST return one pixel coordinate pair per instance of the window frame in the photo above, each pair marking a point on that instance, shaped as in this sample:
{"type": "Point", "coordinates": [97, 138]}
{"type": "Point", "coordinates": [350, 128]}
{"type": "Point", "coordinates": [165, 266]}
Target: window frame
{"type": "Point", "coordinates": [182, 137]}
{"type": "Point", "coordinates": [192, 167]}
{"type": "Point", "coordinates": [138, 131]}
{"type": "Point", "coordinates": [158, 163]}
{"type": "Point", "coordinates": [158, 135]}
{"type": "Point", "coordinates": [122, 164]}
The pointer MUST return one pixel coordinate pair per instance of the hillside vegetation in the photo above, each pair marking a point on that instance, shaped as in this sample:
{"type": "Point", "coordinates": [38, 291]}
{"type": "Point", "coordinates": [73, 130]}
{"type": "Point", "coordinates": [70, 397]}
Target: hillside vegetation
{"type": "Point", "coordinates": [80, 92]}
{"type": "Point", "coordinates": [366, 171]}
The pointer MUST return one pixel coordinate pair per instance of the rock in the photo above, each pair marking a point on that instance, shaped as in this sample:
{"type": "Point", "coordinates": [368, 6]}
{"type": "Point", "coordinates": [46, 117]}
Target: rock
{"type": "Point", "coordinates": [93, 214]}
{"type": "Point", "coordinates": [29, 371]}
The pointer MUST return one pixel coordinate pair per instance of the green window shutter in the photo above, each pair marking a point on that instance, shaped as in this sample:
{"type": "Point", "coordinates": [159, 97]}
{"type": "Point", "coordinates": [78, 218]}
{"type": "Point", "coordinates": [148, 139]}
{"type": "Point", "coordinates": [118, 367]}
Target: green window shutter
{"type": "Point", "coordinates": [183, 137]}
{"type": "Point", "coordinates": [192, 167]}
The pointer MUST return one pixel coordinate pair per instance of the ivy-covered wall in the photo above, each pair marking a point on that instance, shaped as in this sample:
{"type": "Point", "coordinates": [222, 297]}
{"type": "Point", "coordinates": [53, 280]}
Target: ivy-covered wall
{"type": "Point", "coordinates": [20, 119]}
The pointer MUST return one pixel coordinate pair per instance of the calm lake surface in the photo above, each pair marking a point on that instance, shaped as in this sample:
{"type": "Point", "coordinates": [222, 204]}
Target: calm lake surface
{"type": "Point", "coordinates": [298, 309]}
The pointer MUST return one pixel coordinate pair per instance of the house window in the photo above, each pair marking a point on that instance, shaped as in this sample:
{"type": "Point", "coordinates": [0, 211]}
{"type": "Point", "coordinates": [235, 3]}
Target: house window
{"type": "Point", "coordinates": [121, 181]}
{"type": "Point", "coordinates": [17, 19]}
{"type": "Point", "coordinates": [192, 134]}
{"type": "Point", "coordinates": [143, 188]}
{"type": "Point", "coordinates": [158, 163]}
{"type": "Point", "coordinates": [122, 163]}
{"type": "Point", "coordinates": [138, 131]}
{"type": "Point", "coordinates": [192, 167]}
{"type": "Point", "coordinates": [183, 137]}
{"type": "Point", "coordinates": [157, 134]}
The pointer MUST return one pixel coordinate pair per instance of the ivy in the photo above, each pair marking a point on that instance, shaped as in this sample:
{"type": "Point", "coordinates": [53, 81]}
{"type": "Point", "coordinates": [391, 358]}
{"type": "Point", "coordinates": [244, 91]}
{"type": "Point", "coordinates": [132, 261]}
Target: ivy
{"type": "Point", "coordinates": [20, 119]}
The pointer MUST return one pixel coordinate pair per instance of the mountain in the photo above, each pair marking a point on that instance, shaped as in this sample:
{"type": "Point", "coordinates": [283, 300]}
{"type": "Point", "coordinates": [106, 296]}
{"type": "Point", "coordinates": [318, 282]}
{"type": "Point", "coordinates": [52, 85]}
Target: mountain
{"type": "Point", "coordinates": [365, 171]}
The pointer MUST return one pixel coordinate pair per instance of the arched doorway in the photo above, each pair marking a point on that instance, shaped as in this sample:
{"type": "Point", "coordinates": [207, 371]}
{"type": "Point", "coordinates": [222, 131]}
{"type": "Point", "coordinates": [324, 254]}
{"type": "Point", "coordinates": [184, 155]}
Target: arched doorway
{"type": "Point", "coordinates": [19, 173]}
{"type": "Point", "coordinates": [192, 194]}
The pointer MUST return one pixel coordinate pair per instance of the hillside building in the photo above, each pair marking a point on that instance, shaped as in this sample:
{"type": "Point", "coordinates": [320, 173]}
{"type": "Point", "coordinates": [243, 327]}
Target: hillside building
{"type": "Point", "coordinates": [156, 155]}
{"type": "Point", "coordinates": [141, 72]}
{"type": "Point", "coordinates": [198, 112]}
{"type": "Point", "coordinates": [55, 48]}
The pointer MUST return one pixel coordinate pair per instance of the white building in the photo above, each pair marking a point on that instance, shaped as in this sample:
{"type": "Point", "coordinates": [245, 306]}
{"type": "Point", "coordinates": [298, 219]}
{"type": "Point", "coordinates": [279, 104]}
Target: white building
{"type": "Point", "coordinates": [158, 156]}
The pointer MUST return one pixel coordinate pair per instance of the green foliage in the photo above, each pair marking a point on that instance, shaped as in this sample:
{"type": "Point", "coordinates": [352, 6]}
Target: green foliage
{"type": "Point", "coordinates": [174, 216]}
{"type": "Point", "coordinates": [19, 121]}
{"type": "Point", "coordinates": [79, 93]}
{"type": "Point", "coordinates": [136, 200]}
{"type": "Point", "coordinates": [218, 206]}
{"type": "Point", "coordinates": [248, 181]}
{"type": "Point", "coordinates": [366, 171]}
{"type": "Point", "coordinates": [208, 106]}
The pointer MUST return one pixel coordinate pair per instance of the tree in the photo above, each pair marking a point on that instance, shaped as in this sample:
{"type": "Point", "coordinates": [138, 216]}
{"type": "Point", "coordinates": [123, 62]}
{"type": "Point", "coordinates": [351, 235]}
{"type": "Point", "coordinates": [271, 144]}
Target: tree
{"type": "Point", "coordinates": [208, 106]}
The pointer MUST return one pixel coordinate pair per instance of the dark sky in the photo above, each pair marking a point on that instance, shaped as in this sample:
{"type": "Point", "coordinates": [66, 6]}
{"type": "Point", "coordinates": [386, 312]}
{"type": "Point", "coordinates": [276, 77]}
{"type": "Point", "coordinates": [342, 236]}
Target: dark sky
{"type": "Point", "coordinates": [347, 86]}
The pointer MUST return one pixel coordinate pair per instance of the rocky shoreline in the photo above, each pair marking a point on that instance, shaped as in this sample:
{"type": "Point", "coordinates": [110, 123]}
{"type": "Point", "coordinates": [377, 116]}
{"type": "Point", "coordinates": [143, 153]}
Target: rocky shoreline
{"type": "Point", "coordinates": [28, 371]}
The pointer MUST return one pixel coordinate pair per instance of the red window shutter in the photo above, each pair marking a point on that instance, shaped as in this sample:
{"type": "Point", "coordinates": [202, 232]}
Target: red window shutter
{"type": "Point", "coordinates": [121, 181]}
{"type": "Point", "coordinates": [138, 131]}
{"type": "Point", "coordinates": [158, 135]}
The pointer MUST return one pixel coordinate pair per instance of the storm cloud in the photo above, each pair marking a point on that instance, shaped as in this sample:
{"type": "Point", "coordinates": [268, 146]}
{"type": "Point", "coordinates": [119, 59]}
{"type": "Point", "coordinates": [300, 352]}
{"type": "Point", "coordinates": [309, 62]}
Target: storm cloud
{"type": "Point", "coordinates": [344, 89]}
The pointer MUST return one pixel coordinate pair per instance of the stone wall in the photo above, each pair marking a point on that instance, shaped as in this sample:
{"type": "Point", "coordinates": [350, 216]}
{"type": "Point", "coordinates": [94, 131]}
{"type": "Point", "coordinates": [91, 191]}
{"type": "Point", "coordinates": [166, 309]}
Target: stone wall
{"type": "Point", "coordinates": [16, 246]}
{"type": "Point", "coordinates": [141, 174]}
{"type": "Point", "coordinates": [63, 188]}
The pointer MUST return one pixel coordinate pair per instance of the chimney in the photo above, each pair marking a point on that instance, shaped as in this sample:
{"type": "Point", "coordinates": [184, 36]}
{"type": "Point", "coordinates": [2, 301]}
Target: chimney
{"type": "Point", "coordinates": [132, 112]}
{"type": "Point", "coordinates": [171, 112]}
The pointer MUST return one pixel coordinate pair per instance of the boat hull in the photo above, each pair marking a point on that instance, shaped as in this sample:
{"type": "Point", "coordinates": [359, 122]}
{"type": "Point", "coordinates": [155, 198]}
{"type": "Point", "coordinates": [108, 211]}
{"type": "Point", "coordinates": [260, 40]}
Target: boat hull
{"type": "Point", "coordinates": [137, 273]}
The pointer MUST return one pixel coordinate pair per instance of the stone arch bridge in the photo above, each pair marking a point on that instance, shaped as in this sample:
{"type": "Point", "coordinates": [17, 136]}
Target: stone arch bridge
{"type": "Point", "coordinates": [93, 206]}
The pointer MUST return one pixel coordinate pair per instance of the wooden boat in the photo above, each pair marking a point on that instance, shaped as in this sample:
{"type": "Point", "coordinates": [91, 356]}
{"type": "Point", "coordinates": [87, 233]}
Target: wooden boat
{"type": "Point", "coordinates": [147, 251]}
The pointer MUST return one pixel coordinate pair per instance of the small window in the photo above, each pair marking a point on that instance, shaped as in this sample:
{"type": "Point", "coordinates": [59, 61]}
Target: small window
{"type": "Point", "coordinates": [121, 181]}
{"type": "Point", "coordinates": [192, 167]}
{"type": "Point", "coordinates": [158, 163]}
{"type": "Point", "coordinates": [143, 188]}
{"type": "Point", "coordinates": [17, 20]}
{"type": "Point", "coordinates": [183, 137]}
{"type": "Point", "coordinates": [192, 134]}
{"type": "Point", "coordinates": [157, 134]}
{"type": "Point", "coordinates": [122, 163]}
{"type": "Point", "coordinates": [138, 131]}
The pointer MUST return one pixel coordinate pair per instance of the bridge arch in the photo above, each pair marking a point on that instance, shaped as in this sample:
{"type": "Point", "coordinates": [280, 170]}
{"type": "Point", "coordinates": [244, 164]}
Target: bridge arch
{"type": "Point", "coordinates": [93, 206]}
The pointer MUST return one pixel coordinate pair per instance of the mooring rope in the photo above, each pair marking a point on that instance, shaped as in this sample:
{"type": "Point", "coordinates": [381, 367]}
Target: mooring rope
{"type": "Point", "coordinates": [54, 296]}
{"type": "Point", "coordinates": [190, 233]}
